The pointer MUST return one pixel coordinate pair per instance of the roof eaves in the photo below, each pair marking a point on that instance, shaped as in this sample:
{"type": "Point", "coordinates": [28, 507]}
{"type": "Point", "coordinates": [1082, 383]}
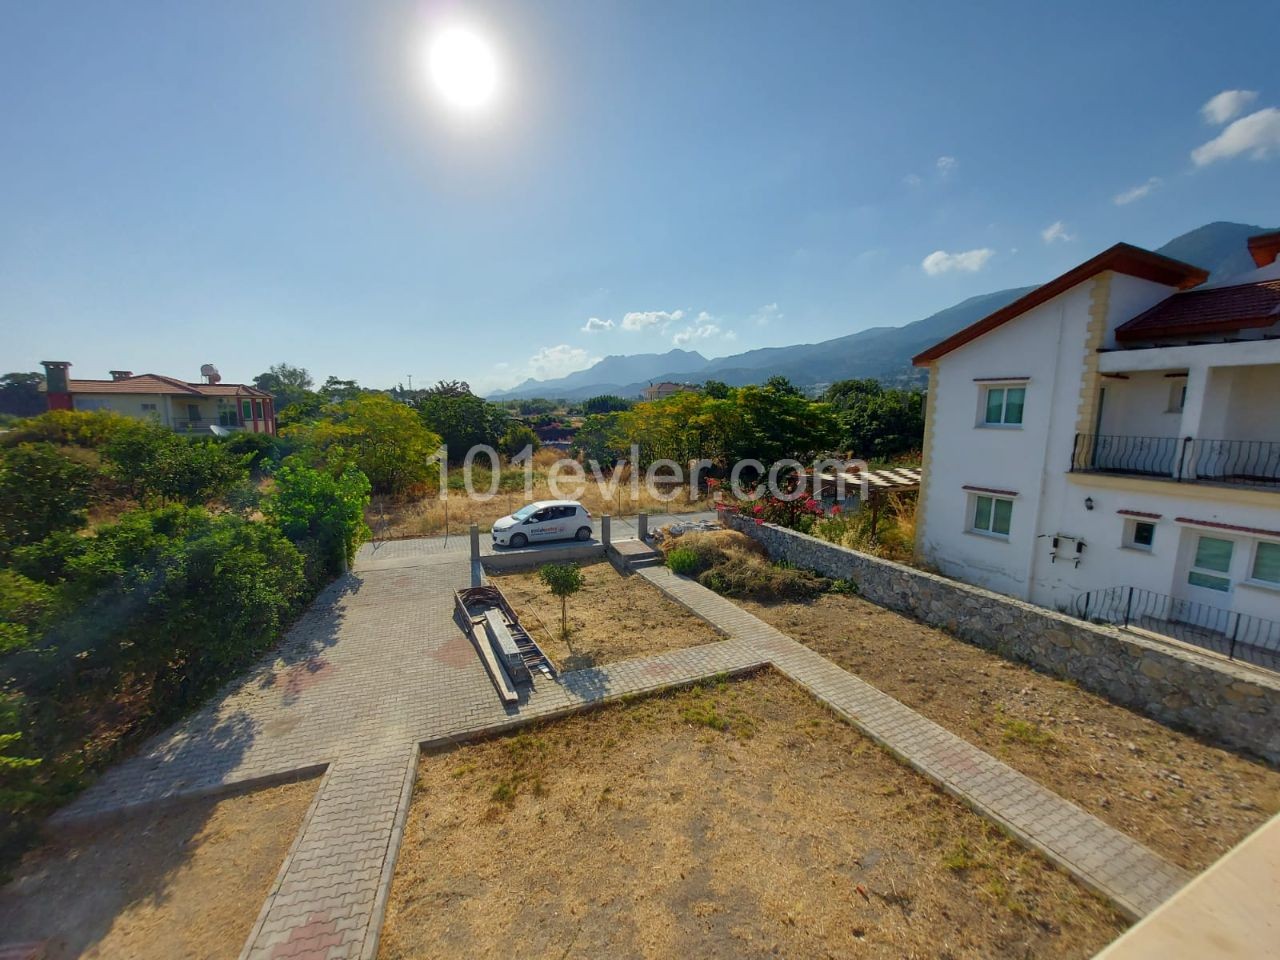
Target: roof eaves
{"type": "Point", "coordinates": [1122, 258]}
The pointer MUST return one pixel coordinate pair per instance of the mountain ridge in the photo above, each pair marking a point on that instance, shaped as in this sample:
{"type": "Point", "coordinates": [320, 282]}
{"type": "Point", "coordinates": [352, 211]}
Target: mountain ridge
{"type": "Point", "coordinates": [883, 353]}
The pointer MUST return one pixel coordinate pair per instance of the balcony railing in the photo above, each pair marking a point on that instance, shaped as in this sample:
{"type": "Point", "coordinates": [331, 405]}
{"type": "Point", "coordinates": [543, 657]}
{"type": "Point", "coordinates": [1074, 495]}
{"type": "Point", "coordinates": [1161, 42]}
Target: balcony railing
{"type": "Point", "coordinates": [1238, 636]}
{"type": "Point", "coordinates": [184, 425]}
{"type": "Point", "coordinates": [1185, 459]}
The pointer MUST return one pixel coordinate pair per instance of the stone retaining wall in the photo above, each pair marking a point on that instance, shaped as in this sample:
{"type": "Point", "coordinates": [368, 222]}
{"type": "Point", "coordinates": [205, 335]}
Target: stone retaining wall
{"type": "Point", "coordinates": [1233, 703]}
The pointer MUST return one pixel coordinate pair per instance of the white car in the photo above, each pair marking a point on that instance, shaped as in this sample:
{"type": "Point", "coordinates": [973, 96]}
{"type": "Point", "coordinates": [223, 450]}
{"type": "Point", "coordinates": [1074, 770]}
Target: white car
{"type": "Point", "coordinates": [543, 520]}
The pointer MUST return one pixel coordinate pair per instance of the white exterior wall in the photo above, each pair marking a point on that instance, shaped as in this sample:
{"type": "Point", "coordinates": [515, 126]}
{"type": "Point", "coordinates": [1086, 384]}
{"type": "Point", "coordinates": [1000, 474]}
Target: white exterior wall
{"type": "Point", "coordinates": [1231, 394]}
{"type": "Point", "coordinates": [126, 404]}
{"type": "Point", "coordinates": [1046, 345]}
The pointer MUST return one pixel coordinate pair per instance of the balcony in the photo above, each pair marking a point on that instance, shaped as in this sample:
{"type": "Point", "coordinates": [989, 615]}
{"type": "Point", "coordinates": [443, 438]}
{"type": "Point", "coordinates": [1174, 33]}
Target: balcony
{"type": "Point", "coordinates": [201, 425]}
{"type": "Point", "coordinates": [1248, 463]}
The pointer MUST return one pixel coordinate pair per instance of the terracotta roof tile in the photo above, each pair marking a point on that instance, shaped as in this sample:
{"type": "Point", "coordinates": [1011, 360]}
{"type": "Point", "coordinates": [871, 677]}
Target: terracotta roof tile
{"type": "Point", "coordinates": [1216, 310]}
{"type": "Point", "coordinates": [152, 383]}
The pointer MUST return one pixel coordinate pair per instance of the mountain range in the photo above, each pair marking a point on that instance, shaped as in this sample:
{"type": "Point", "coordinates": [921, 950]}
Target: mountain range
{"type": "Point", "coordinates": [883, 353]}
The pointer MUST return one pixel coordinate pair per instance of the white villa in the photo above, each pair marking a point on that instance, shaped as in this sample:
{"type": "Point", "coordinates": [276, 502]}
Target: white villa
{"type": "Point", "coordinates": [1109, 445]}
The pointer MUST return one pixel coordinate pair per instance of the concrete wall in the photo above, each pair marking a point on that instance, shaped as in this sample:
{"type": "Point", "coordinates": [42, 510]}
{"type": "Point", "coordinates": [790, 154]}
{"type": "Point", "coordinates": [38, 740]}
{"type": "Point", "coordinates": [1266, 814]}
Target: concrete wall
{"type": "Point", "coordinates": [1231, 703]}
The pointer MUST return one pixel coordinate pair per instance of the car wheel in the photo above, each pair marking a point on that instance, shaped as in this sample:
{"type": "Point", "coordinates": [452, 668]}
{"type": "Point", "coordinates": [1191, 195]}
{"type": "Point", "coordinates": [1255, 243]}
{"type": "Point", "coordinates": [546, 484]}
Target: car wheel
{"type": "Point", "coordinates": [519, 540]}
{"type": "Point", "coordinates": [584, 533]}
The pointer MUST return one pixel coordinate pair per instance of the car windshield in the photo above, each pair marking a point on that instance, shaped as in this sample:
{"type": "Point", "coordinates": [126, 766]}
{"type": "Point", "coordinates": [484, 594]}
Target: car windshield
{"type": "Point", "coordinates": [524, 513]}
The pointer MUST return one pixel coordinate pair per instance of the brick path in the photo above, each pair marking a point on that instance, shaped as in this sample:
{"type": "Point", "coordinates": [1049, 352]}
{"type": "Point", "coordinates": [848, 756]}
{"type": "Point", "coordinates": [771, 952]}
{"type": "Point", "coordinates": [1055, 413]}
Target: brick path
{"type": "Point", "coordinates": [378, 667]}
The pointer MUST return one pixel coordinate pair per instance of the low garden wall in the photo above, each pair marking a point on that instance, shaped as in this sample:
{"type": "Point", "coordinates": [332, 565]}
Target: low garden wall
{"type": "Point", "coordinates": [1232, 703]}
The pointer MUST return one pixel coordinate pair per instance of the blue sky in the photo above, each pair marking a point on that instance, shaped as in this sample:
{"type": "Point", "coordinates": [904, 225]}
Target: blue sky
{"type": "Point", "coordinates": [249, 182]}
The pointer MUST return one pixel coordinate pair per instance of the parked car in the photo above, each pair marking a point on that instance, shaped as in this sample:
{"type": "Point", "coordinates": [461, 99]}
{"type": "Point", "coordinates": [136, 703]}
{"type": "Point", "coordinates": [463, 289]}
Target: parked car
{"type": "Point", "coordinates": [543, 520]}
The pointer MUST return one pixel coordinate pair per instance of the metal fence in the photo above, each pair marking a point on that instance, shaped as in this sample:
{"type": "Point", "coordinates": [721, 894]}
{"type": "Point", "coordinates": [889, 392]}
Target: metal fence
{"type": "Point", "coordinates": [1239, 636]}
{"type": "Point", "coordinates": [1186, 459]}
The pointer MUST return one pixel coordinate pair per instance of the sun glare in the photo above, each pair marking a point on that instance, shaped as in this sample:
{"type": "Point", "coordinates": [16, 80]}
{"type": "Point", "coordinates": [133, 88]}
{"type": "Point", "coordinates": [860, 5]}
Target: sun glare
{"type": "Point", "coordinates": [463, 68]}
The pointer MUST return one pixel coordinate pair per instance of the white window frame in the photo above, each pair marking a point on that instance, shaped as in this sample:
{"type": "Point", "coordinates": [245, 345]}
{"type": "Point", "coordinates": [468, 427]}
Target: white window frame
{"type": "Point", "coordinates": [1224, 575]}
{"type": "Point", "coordinates": [1177, 395]}
{"type": "Point", "coordinates": [1006, 386]}
{"type": "Point", "coordinates": [1130, 541]}
{"type": "Point", "coordinates": [971, 518]}
{"type": "Point", "coordinates": [1252, 580]}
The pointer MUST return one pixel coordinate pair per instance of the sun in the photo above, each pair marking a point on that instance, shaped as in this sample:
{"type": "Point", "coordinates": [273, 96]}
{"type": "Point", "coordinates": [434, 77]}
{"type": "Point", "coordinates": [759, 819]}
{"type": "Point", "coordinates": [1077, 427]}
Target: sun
{"type": "Point", "coordinates": [463, 69]}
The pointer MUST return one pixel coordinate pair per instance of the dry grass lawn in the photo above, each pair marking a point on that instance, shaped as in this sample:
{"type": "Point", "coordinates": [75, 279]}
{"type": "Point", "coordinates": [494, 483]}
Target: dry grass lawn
{"type": "Point", "coordinates": [612, 618]}
{"type": "Point", "coordinates": [185, 883]}
{"type": "Point", "coordinates": [737, 819]}
{"type": "Point", "coordinates": [1185, 799]}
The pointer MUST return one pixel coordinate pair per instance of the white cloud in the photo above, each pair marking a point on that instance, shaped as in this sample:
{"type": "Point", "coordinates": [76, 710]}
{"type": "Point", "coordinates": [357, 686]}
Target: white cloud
{"type": "Point", "coordinates": [595, 324]}
{"type": "Point", "coordinates": [1136, 193]}
{"type": "Point", "coordinates": [702, 329]}
{"type": "Point", "coordinates": [946, 166]}
{"type": "Point", "coordinates": [551, 362]}
{"type": "Point", "coordinates": [912, 180]}
{"type": "Point", "coordinates": [1056, 231]}
{"type": "Point", "coordinates": [1257, 135]}
{"type": "Point", "coordinates": [970, 261]}
{"type": "Point", "coordinates": [766, 315]}
{"type": "Point", "coordinates": [643, 320]}
{"type": "Point", "coordinates": [1226, 105]}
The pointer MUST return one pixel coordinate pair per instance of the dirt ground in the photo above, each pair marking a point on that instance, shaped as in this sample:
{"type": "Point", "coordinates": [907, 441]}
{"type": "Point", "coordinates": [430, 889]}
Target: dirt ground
{"type": "Point", "coordinates": [736, 819]}
{"type": "Point", "coordinates": [611, 618]}
{"type": "Point", "coordinates": [1185, 799]}
{"type": "Point", "coordinates": [186, 883]}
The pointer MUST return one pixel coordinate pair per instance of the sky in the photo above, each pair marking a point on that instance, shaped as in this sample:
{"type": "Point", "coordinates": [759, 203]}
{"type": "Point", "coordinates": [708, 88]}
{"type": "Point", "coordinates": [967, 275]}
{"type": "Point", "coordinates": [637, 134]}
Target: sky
{"type": "Point", "coordinates": [246, 183]}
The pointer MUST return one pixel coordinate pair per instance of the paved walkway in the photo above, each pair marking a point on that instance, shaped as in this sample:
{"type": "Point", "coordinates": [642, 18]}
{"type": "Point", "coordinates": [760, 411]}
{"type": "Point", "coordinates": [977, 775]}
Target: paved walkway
{"type": "Point", "coordinates": [379, 667]}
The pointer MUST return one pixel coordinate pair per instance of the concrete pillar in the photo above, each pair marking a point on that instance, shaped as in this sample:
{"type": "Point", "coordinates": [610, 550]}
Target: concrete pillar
{"type": "Point", "coordinates": [642, 526]}
{"type": "Point", "coordinates": [475, 541]}
{"type": "Point", "coordinates": [606, 524]}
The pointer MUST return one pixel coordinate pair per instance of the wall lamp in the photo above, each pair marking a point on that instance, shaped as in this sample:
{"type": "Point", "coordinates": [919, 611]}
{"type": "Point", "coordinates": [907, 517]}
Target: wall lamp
{"type": "Point", "coordinates": [1088, 503]}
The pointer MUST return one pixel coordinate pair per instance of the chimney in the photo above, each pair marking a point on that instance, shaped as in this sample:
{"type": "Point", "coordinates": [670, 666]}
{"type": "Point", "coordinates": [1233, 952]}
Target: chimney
{"type": "Point", "coordinates": [56, 386]}
{"type": "Point", "coordinates": [120, 374]}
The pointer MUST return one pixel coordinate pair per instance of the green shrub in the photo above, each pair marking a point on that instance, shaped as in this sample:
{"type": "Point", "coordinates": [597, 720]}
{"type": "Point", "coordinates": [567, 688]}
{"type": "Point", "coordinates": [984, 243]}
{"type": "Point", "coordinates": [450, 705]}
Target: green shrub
{"type": "Point", "coordinates": [156, 465]}
{"type": "Point", "coordinates": [260, 452]}
{"type": "Point", "coordinates": [321, 513]}
{"type": "Point", "coordinates": [42, 491]}
{"type": "Point", "coordinates": [684, 561]}
{"type": "Point", "coordinates": [76, 428]}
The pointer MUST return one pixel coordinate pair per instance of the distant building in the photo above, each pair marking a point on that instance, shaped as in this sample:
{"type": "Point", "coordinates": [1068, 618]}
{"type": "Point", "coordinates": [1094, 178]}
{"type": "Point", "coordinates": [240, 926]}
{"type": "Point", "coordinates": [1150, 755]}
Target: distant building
{"type": "Point", "coordinates": [180, 405]}
{"type": "Point", "coordinates": [1115, 433]}
{"type": "Point", "coordinates": [660, 391]}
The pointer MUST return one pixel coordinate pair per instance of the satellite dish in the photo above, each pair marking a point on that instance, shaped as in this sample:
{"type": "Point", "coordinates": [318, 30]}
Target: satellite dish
{"type": "Point", "coordinates": [219, 431]}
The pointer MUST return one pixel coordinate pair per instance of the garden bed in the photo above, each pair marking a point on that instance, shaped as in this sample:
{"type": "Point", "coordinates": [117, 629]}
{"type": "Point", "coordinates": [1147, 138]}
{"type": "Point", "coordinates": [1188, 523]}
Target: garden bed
{"type": "Point", "coordinates": [188, 882]}
{"type": "Point", "coordinates": [612, 618]}
{"type": "Point", "coordinates": [736, 819]}
{"type": "Point", "coordinates": [1187, 800]}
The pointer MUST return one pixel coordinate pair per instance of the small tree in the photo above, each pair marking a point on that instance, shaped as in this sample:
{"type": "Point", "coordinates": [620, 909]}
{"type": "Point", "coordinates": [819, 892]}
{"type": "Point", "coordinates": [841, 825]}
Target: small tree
{"type": "Point", "coordinates": [563, 580]}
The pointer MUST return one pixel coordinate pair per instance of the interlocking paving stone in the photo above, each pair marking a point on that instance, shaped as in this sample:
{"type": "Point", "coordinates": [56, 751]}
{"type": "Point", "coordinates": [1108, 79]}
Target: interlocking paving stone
{"type": "Point", "coordinates": [378, 666]}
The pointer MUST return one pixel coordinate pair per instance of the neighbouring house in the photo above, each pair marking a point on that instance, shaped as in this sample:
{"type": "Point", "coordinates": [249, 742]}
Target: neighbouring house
{"type": "Point", "coordinates": [180, 405]}
{"type": "Point", "coordinates": [660, 391]}
{"type": "Point", "coordinates": [1109, 445]}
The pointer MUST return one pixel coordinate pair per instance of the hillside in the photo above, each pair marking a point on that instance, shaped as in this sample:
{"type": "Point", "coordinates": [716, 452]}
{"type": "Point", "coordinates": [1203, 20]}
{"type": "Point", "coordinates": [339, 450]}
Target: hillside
{"type": "Point", "coordinates": [881, 352]}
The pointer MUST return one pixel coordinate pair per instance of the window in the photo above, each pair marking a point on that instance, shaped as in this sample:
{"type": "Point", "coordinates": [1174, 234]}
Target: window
{"type": "Point", "coordinates": [1212, 560]}
{"type": "Point", "coordinates": [246, 410]}
{"type": "Point", "coordinates": [1003, 406]}
{"type": "Point", "coordinates": [991, 515]}
{"type": "Point", "coordinates": [1177, 396]}
{"type": "Point", "coordinates": [1139, 534]}
{"type": "Point", "coordinates": [257, 409]}
{"type": "Point", "coordinates": [1266, 563]}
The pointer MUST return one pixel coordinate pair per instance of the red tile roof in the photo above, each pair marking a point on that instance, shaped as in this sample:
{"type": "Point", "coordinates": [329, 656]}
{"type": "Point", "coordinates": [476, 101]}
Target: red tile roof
{"type": "Point", "coordinates": [1122, 258]}
{"type": "Point", "coordinates": [1216, 310]}
{"type": "Point", "coordinates": [152, 383]}
{"type": "Point", "coordinates": [1265, 248]}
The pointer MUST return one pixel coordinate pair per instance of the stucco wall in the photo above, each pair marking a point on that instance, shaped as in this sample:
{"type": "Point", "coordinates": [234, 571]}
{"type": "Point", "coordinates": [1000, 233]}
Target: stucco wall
{"type": "Point", "coordinates": [1233, 704]}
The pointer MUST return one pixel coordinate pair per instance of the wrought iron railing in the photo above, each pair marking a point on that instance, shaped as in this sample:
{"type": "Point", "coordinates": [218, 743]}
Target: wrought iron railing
{"type": "Point", "coordinates": [1239, 636]}
{"type": "Point", "coordinates": [1141, 456]}
{"type": "Point", "coordinates": [1252, 462]}
{"type": "Point", "coordinates": [187, 425]}
{"type": "Point", "coordinates": [1185, 459]}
